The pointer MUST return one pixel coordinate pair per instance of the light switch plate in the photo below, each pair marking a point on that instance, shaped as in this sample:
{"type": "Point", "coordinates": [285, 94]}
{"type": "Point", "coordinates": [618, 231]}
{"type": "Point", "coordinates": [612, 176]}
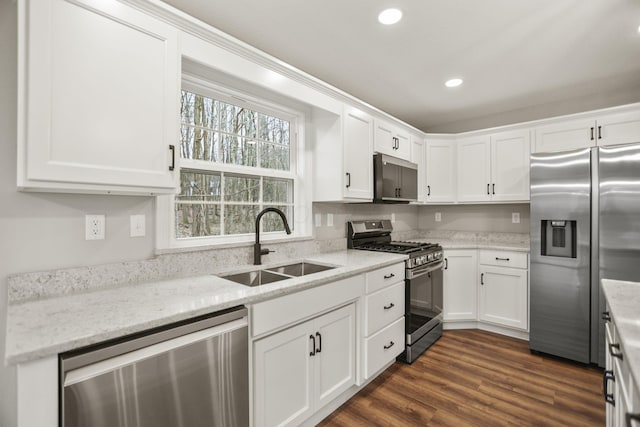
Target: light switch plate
{"type": "Point", "coordinates": [438, 216]}
{"type": "Point", "coordinates": [318, 220]}
{"type": "Point", "coordinates": [515, 217]}
{"type": "Point", "coordinates": [393, 218]}
{"type": "Point", "coordinates": [137, 226]}
{"type": "Point", "coordinates": [329, 220]}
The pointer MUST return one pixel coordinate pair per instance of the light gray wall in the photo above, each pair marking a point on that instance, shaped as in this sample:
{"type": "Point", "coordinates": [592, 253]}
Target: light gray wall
{"type": "Point", "coordinates": [46, 231]}
{"type": "Point", "coordinates": [482, 218]}
{"type": "Point", "coordinates": [406, 218]}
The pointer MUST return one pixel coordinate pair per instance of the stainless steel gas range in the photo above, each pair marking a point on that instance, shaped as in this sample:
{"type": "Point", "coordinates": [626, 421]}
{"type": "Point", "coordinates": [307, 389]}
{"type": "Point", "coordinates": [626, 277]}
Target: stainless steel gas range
{"type": "Point", "coordinates": [423, 281]}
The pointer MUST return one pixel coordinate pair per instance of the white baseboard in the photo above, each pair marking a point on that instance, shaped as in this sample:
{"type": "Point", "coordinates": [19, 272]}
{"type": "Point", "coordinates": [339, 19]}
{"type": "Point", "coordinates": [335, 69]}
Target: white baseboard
{"type": "Point", "coordinates": [502, 330]}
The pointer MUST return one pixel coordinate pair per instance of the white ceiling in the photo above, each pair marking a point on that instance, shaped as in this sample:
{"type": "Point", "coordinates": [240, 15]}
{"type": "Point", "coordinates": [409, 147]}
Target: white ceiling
{"type": "Point", "coordinates": [520, 59]}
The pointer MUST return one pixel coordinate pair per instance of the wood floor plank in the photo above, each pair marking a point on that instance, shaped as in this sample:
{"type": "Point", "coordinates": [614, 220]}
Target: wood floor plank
{"type": "Point", "coordinates": [477, 378]}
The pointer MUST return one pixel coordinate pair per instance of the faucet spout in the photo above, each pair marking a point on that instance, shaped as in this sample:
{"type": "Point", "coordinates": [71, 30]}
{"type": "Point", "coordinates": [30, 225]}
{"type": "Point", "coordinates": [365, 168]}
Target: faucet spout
{"type": "Point", "coordinates": [257, 250]}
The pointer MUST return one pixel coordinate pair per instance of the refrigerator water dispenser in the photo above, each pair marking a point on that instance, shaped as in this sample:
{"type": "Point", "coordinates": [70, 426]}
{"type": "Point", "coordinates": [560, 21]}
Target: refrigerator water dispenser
{"type": "Point", "coordinates": [558, 238]}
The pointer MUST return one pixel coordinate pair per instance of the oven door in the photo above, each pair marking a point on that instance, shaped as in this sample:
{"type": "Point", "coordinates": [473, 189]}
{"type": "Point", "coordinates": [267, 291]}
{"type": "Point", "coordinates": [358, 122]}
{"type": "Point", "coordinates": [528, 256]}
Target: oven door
{"type": "Point", "coordinates": [423, 300]}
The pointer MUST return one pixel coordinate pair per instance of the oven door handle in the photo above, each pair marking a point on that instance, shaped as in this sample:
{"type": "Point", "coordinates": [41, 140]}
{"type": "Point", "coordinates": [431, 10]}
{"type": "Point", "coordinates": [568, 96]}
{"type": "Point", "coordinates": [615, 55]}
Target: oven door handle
{"type": "Point", "coordinates": [419, 272]}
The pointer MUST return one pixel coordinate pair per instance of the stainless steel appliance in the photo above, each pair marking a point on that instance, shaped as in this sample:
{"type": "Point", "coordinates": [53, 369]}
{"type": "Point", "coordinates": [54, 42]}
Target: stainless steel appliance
{"type": "Point", "coordinates": [394, 180]}
{"type": "Point", "coordinates": [585, 226]}
{"type": "Point", "coordinates": [423, 282]}
{"type": "Point", "coordinates": [191, 374]}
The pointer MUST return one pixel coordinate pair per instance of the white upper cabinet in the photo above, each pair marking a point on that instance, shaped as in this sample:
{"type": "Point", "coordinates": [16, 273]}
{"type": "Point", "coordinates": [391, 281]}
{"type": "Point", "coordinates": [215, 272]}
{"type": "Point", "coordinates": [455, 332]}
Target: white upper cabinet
{"type": "Point", "coordinates": [440, 171]}
{"type": "Point", "coordinates": [346, 142]}
{"type": "Point", "coordinates": [494, 167]}
{"type": "Point", "coordinates": [358, 154]}
{"type": "Point", "coordinates": [621, 128]}
{"type": "Point", "coordinates": [99, 98]}
{"type": "Point", "coordinates": [390, 139]}
{"type": "Point", "coordinates": [510, 153]}
{"type": "Point", "coordinates": [474, 169]}
{"type": "Point", "coordinates": [608, 129]}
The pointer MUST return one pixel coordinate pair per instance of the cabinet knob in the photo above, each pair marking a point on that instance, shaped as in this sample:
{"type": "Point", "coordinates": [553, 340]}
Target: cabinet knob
{"type": "Point", "coordinates": [389, 276]}
{"type": "Point", "coordinates": [391, 344]}
{"type": "Point", "coordinates": [606, 316]}
{"type": "Point", "coordinates": [614, 351]}
{"type": "Point", "coordinates": [389, 307]}
{"type": "Point", "coordinates": [608, 397]}
{"type": "Point", "coordinates": [172, 148]}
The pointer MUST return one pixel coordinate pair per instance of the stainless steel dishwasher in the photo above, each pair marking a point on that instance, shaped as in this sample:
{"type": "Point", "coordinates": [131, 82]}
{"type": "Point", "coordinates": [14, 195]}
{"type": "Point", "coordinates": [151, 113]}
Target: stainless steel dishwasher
{"type": "Point", "coordinates": [190, 374]}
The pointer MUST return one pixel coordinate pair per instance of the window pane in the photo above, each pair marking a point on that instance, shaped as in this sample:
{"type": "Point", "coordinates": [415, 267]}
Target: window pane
{"type": "Point", "coordinates": [199, 110]}
{"type": "Point", "coordinates": [200, 144]}
{"type": "Point", "coordinates": [237, 151]}
{"type": "Point", "coordinates": [273, 129]}
{"type": "Point", "coordinates": [272, 222]}
{"type": "Point", "coordinates": [194, 220]}
{"type": "Point", "coordinates": [199, 186]}
{"type": "Point", "coordinates": [277, 190]}
{"type": "Point", "coordinates": [239, 219]}
{"type": "Point", "coordinates": [274, 156]}
{"type": "Point", "coordinates": [241, 188]}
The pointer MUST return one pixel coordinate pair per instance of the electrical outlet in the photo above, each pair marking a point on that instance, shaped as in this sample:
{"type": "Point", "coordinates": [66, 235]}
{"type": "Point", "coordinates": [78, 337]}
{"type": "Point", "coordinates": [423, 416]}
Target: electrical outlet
{"type": "Point", "coordinates": [94, 227]}
{"type": "Point", "coordinates": [318, 220]}
{"type": "Point", "coordinates": [329, 220]}
{"type": "Point", "coordinates": [438, 216]}
{"type": "Point", "coordinates": [137, 227]}
{"type": "Point", "coordinates": [393, 218]}
{"type": "Point", "coordinates": [515, 218]}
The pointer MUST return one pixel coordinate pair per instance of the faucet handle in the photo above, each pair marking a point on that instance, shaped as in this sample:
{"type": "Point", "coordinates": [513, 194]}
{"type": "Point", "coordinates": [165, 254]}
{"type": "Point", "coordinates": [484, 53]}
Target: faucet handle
{"type": "Point", "coordinates": [265, 251]}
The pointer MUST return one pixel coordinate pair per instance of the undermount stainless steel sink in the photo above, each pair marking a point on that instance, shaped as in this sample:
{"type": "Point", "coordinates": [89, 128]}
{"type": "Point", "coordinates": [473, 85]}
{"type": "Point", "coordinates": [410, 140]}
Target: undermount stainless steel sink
{"type": "Point", "coordinates": [256, 278]}
{"type": "Point", "coordinates": [300, 269]}
{"type": "Point", "coordinates": [275, 274]}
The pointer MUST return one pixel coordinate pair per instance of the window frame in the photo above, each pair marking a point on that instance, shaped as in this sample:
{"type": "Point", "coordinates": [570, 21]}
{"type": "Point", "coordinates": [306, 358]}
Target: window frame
{"type": "Point", "coordinates": [299, 173]}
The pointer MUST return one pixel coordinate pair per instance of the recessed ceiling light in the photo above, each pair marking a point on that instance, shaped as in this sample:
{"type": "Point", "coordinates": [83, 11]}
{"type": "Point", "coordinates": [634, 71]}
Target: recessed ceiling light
{"type": "Point", "coordinates": [453, 83]}
{"type": "Point", "coordinates": [390, 16]}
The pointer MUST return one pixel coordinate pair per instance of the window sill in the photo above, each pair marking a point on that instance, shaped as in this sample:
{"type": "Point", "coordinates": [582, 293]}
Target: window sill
{"type": "Point", "coordinates": [228, 245]}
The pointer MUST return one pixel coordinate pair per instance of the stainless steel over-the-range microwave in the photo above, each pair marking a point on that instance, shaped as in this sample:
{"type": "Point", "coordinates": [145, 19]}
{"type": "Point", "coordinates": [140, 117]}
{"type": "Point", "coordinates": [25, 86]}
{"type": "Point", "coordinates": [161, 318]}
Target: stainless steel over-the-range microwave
{"type": "Point", "coordinates": [394, 180]}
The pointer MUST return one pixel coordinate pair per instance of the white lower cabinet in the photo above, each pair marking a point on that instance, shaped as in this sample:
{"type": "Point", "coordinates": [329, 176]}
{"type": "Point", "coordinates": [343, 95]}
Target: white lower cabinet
{"type": "Point", "coordinates": [502, 298]}
{"type": "Point", "coordinates": [460, 285]}
{"type": "Point", "coordinates": [487, 287]}
{"type": "Point", "coordinates": [620, 389]}
{"type": "Point", "coordinates": [300, 369]}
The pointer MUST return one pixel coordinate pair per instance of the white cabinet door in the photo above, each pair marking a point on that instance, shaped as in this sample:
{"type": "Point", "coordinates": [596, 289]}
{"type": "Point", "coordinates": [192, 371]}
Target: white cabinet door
{"type": "Point", "coordinates": [283, 377]}
{"type": "Point", "coordinates": [358, 152]}
{"type": "Point", "coordinates": [440, 165]}
{"type": "Point", "coordinates": [384, 138]}
{"type": "Point", "coordinates": [510, 166]}
{"type": "Point", "coordinates": [335, 364]}
{"type": "Point", "coordinates": [99, 99]}
{"type": "Point", "coordinates": [474, 169]}
{"type": "Point", "coordinates": [390, 140]}
{"type": "Point", "coordinates": [460, 285]}
{"type": "Point", "coordinates": [503, 296]}
{"type": "Point", "coordinates": [621, 128]}
{"type": "Point", "coordinates": [304, 367]}
{"type": "Point", "coordinates": [564, 136]}
{"type": "Point", "coordinates": [404, 145]}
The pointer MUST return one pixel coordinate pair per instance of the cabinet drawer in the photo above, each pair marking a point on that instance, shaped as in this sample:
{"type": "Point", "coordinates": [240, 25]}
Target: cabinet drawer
{"type": "Point", "coordinates": [504, 259]}
{"type": "Point", "coordinates": [383, 308]}
{"type": "Point", "coordinates": [286, 310]}
{"type": "Point", "coordinates": [383, 347]}
{"type": "Point", "coordinates": [384, 277]}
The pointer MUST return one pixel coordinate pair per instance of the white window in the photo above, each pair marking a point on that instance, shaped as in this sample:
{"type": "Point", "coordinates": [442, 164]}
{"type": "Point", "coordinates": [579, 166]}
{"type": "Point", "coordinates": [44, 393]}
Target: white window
{"type": "Point", "coordinates": [238, 155]}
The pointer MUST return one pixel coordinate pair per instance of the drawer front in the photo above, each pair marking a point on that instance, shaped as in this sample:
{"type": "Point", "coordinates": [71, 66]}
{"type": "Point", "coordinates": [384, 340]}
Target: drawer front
{"type": "Point", "coordinates": [384, 277]}
{"type": "Point", "coordinates": [504, 258]}
{"type": "Point", "coordinates": [383, 347]}
{"type": "Point", "coordinates": [279, 312]}
{"type": "Point", "coordinates": [383, 308]}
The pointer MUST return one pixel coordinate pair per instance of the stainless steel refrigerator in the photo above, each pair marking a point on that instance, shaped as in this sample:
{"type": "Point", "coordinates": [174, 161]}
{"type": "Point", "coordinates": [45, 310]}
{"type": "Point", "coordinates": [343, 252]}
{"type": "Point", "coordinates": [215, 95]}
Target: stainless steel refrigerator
{"type": "Point", "coordinates": [585, 226]}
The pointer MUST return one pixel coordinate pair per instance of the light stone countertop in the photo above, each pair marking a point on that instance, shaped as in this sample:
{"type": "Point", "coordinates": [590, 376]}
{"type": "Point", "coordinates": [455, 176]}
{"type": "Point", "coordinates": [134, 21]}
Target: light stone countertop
{"type": "Point", "coordinates": [45, 327]}
{"type": "Point", "coordinates": [624, 305]}
{"type": "Point", "coordinates": [468, 240]}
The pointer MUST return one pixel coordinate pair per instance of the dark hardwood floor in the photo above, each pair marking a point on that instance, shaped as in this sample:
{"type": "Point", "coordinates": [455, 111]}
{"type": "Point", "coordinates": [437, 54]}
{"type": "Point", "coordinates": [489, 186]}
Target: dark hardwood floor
{"type": "Point", "coordinates": [477, 378]}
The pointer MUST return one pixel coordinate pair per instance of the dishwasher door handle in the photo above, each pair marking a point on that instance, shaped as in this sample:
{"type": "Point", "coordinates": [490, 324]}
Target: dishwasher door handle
{"type": "Point", "coordinates": [92, 370]}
